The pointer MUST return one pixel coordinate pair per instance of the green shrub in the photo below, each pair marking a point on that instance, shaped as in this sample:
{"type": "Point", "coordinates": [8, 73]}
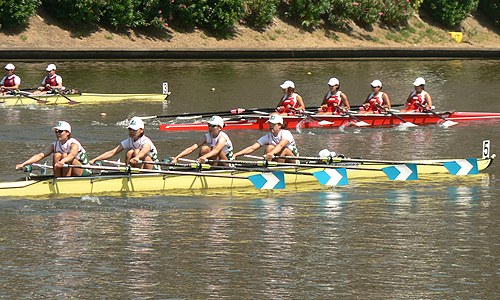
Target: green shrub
{"type": "Point", "coordinates": [451, 13]}
{"type": "Point", "coordinates": [492, 9]}
{"type": "Point", "coordinates": [121, 13]}
{"type": "Point", "coordinates": [337, 14]}
{"type": "Point", "coordinates": [17, 12]}
{"type": "Point", "coordinates": [365, 11]}
{"type": "Point", "coordinates": [396, 12]}
{"type": "Point", "coordinates": [209, 14]}
{"type": "Point", "coordinates": [307, 12]}
{"type": "Point", "coordinates": [156, 13]}
{"type": "Point", "coordinates": [260, 12]}
{"type": "Point", "coordinates": [76, 12]}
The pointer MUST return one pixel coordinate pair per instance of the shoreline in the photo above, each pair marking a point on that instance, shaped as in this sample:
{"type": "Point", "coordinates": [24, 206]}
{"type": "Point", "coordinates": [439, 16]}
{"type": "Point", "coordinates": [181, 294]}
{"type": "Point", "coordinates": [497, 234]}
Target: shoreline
{"type": "Point", "coordinates": [249, 53]}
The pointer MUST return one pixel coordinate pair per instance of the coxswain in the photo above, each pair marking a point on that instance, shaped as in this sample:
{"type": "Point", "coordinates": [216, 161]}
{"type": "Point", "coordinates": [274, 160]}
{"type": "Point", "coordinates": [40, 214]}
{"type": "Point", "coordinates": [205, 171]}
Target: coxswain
{"type": "Point", "coordinates": [278, 142]}
{"type": "Point", "coordinates": [50, 82]}
{"type": "Point", "coordinates": [10, 82]}
{"type": "Point", "coordinates": [67, 150]}
{"type": "Point", "coordinates": [376, 97]}
{"type": "Point", "coordinates": [214, 145]}
{"type": "Point", "coordinates": [138, 147]}
{"type": "Point", "coordinates": [418, 96]}
{"type": "Point", "coordinates": [334, 102]}
{"type": "Point", "coordinates": [291, 101]}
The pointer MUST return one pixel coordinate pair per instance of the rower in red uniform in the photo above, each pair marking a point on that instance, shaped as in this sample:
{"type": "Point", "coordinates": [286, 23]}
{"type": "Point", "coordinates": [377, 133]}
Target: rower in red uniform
{"type": "Point", "coordinates": [334, 101]}
{"type": "Point", "coordinates": [376, 97]}
{"type": "Point", "coordinates": [418, 96]}
{"type": "Point", "coordinates": [291, 101]}
{"type": "Point", "coordinates": [10, 82]}
{"type": "Point", "coordinates": [51, 81]}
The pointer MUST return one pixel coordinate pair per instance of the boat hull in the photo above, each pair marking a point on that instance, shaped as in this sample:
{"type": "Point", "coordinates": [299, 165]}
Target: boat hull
{"type": "Point", "coordinates": [216, 181]}
{"type": "Point", "coordinates": [54, 99]}
{"type": "Point", "coordinates": [258, 122]}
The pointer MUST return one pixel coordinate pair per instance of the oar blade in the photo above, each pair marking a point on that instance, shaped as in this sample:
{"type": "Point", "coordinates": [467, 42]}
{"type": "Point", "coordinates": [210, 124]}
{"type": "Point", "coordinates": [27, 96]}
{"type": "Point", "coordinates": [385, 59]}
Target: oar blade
{"type": "Point", "coordinates": [361, 124]}
{"type": "Point", "coordinates": [448, 123]}
{"type": "Point", "coordinates": [331, 177]}
{"type": "Point", "coordinates": [42, 101]}
{"type": "Point", "coordinates": [462, 166]}
{"type": "Point", "coordinates": [401, 172]}
{"type": "Point", "coordinates": [268, 180]}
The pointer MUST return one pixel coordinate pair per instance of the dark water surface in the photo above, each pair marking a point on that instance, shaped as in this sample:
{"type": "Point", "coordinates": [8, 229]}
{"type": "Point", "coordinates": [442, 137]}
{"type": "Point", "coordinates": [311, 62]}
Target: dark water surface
{"type": "Point", "coordinates": [435, 238]}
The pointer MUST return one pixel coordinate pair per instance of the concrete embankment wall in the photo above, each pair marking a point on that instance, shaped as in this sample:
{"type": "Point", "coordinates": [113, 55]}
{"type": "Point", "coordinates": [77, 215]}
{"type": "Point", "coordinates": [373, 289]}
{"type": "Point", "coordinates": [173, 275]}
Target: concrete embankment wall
{"type": "Point", "coordinates": [225, 53]}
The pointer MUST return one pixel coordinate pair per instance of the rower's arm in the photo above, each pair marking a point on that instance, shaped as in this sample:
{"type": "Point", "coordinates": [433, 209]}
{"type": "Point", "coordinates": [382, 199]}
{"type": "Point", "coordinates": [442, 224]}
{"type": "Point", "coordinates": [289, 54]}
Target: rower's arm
{"type": "Point", "coordinates": [387, 102]}
{"type": "Point", "coordinates": [37, 157]}
{"type": "Point", "coordinates": [300, 103]}
{"type": "Point", "coordinates": [107, 154]}
{"type": "Point", "coordinates": [142, 154]}
{"type": "Point", "coordinates": [281, 145]}
{"type": "Point", "coordinates": [69, 158]}
{"type": "Point", "coordinates": [345, 101]}
{"type": "Point", "coordinates": [428, 98]}
{"type": "Point", "coordinates": [190, 150]}
{"type": "Point", "coordinates": [247, 150]}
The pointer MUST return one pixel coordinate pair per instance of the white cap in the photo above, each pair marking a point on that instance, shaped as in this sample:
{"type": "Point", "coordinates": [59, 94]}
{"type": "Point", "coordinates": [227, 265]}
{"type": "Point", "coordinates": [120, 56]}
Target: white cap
{"type": "Point", "coordinates": [326, 153]}
{"type": "Point", "coordinates": [50, 67]}
{"type": "Point", "coordinates": [376, 83]}
{"type": "Point", "coordinates": [419, 81]}
{"type": "Point", "coordinates": [136, 124]}
{"type": "Point", "coordinates": [62, 125]}
{"type": "Point", "coordinates": [216, 120]}
{"type": "Point", "coordinates": [9, 67]}
{"type": "Point", "coordinates": [275, 119]}
{"type": "Point", "coordinates": [288, 84]}
{"type": "Point", "coordinates": [333, 81]}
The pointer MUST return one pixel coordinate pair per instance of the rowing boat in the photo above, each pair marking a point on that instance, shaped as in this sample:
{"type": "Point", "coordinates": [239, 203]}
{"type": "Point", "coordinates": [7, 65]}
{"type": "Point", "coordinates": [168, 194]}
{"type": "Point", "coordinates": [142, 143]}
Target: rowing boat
{"type": "Point", "coordinates": [42, 186]}
{"type": "Point", "coordinates": [21, 98]}
{"type": "Point", "coordinates": [257, 122]}
{"type": "Point", "coordinates": [56, 99]}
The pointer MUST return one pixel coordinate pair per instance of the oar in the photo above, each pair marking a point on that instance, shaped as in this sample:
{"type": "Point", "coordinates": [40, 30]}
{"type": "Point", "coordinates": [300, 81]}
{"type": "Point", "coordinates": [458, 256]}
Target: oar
{"type": "Point", "coordinates": [392, 105]}
{"type": "Point", "coordinates": [446, 122]}
{"type": "Point", "coordinates": [271, 180]}
{"type": "Point", "coordinates": [466, 166]}
{"type": "Point", "coordinates": [358, 123]}
{"type": "Point", "coordinates": [398, 172]}
{"type": "Point", "coordinates": [407, 123]}
{"type": "Point", "coordinates": [57, 92]}
{"type": "Point", "coordinates": [28, 95]}
{"type": "Point", "coordinates": [321, 122]}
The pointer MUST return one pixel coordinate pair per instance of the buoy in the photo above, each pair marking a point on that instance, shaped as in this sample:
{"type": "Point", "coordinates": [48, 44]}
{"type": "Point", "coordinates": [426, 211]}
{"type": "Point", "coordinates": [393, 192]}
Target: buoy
{"type": "Point", "coordinates": [213, 89]}
{"type": "Point", "coordinates": [103, 114]}
{"type": "Point", "coordinates": [309, 73]}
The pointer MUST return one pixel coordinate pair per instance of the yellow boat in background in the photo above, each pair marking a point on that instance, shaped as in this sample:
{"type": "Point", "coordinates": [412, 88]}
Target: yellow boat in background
{"type": "Point", "coordinates": [20, 98]}
{"type": "Point", "coordinates": [84, 98]}
{"type": "Point", "coordinates": [218, 181]}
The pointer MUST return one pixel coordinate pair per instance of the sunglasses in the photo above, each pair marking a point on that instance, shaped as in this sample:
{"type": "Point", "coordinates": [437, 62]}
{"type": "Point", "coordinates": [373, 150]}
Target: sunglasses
{"type": "Point", "coordinates": [60, 131]}
{"type": "Point", "coordinates": [211, 125]}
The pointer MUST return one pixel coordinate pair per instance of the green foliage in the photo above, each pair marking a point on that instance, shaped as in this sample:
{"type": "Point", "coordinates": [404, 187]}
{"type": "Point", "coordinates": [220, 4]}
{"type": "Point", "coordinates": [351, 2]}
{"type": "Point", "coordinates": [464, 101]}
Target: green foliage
{"type": "Point", "coordinates": [307, 12]}
{"type": "Point", "coordinates": [210, 14]}
{"type": "Point", "coordinates": [76, 12]}
{"type": "Point", "coordinates": [396, 12]}
{"type": "Point", "coordinates": [17, 12]}
{"type": "Point", "coordinates": [416, 4]}
{"type": "Point", "coordinates": [492, 9]}
{"type": "Point", "coordinates": [260, 12]}
{"type": "Point", "coordinates": [365, 11]}
{"type": "Point", "coordinates": [451, 13]}
{"type": "Point", "coordinates": [121, 13]}
{"type": "Point", "coordinates": [337, 14]}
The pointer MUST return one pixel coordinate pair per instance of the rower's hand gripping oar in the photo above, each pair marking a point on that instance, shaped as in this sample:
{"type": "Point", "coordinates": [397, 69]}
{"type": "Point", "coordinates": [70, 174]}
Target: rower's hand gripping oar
{"type": "Point", "coordinates": [407, 123]}
{"type": "Point", "coordinates": [358, 121]}
{"type": "Point", "coordinates": [446, 122]}
{"type": "Point", "coordinates": [310, 115]}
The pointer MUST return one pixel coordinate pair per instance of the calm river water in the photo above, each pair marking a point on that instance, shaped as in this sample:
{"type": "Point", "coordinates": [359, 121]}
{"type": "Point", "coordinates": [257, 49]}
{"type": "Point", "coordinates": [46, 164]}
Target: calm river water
{"type": "Point", "coordinates": [436, 238]}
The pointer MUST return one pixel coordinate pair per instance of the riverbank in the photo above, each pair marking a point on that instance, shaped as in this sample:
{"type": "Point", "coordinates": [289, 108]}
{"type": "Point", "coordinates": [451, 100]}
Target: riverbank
{"type": "Point", "coordinates": [44, 37]}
